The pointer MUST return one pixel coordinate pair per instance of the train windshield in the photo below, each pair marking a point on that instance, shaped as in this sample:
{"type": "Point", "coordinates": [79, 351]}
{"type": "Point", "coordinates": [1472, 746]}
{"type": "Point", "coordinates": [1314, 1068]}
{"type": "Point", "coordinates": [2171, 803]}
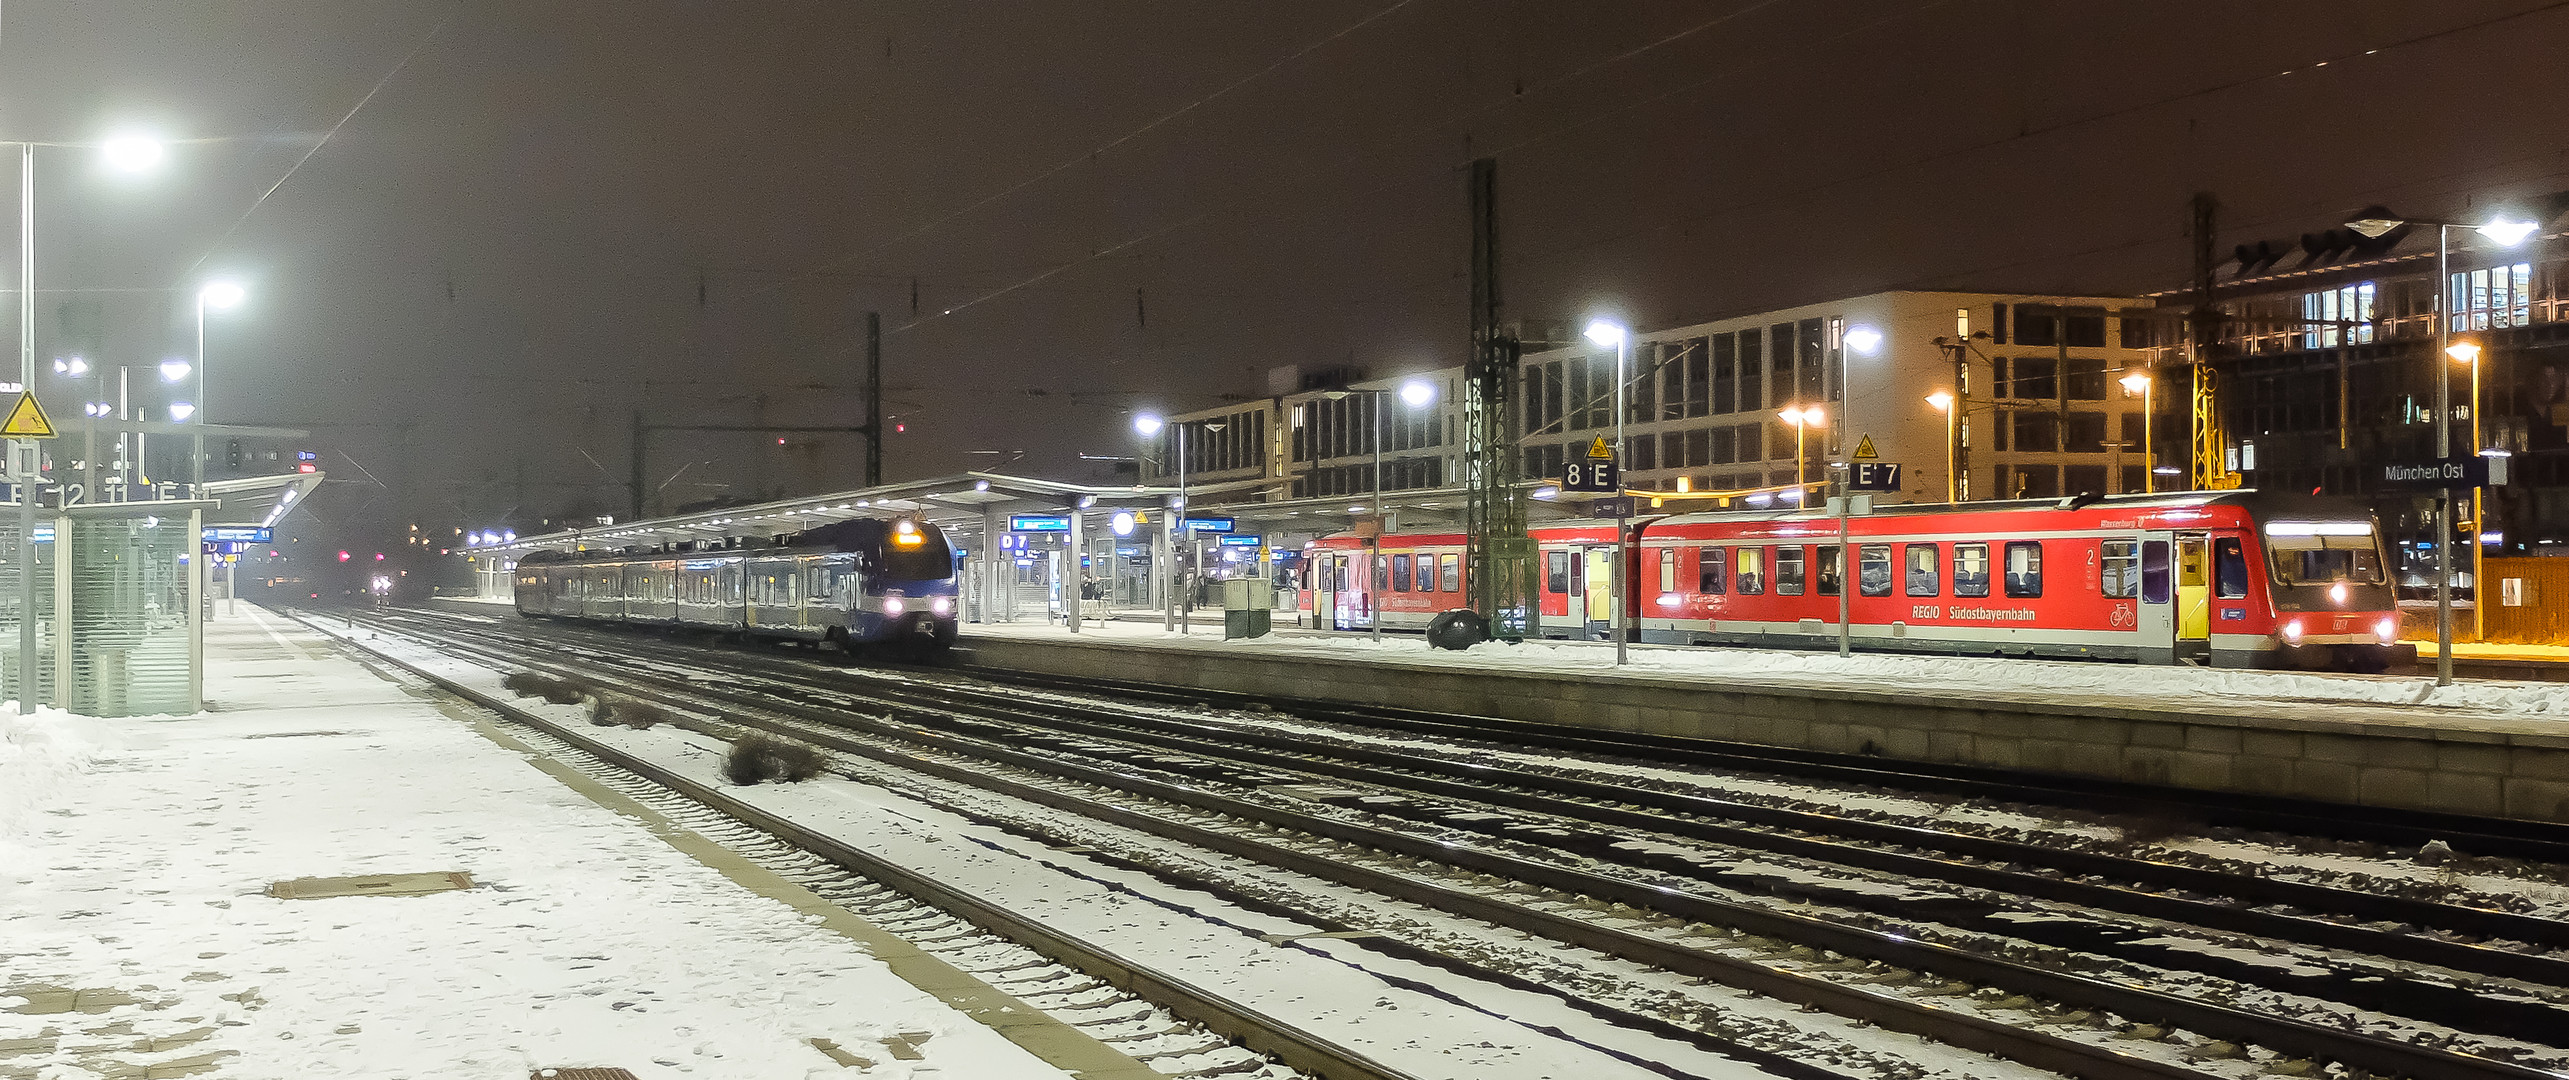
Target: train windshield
{"type": "Point", "coordinates": [916, 552]}
{"type": "Point", "coordinates": [2324, 552]}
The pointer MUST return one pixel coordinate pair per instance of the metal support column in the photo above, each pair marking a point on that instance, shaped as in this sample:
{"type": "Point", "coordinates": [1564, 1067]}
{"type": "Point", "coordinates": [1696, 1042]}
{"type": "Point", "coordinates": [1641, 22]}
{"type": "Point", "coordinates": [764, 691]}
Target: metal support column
{"type": "Point", "coordinates": [1077, 571]}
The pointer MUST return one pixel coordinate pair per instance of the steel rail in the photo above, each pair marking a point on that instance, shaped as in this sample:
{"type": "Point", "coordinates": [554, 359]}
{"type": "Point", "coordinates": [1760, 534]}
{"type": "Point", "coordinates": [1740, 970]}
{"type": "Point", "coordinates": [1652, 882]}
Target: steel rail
{"type": "Point", "coordinates": [2282, 1034]}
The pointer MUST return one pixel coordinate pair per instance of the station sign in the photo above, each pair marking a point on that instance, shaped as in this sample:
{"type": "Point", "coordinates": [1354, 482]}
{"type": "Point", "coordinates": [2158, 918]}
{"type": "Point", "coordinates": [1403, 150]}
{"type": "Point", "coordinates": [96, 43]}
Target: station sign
{"type": "Point", "coordinates": [239, 534]}
{"type": "Point", "coordinates": [1621, 506]}
{"type": "Point", "coordinates": [1873, 476]}
{"type": "Point", "coordinates": [1591, 475]}
{"type": "Point", "coordinates": [1247, 540]}
{"type": "Point", "coordinates": [1049, 523]}
{"type": "Point", "coordinates": [1213, 524]}
{"type": "Point", "coordinates": [2453, 472]}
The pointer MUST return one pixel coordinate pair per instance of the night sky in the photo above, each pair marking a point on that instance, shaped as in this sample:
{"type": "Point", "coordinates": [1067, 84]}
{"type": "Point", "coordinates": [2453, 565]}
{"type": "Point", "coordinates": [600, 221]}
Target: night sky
{"type": "Point", "coordinates": [549, 214]}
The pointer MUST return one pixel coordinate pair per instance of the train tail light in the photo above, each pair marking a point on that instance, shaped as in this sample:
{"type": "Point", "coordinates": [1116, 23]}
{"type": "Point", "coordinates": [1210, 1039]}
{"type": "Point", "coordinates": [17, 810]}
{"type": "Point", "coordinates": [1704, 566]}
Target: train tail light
{"type": "Point", "coordinates": [2388, 629]}
{"type": "Point", "coordinates": [2292, 632]}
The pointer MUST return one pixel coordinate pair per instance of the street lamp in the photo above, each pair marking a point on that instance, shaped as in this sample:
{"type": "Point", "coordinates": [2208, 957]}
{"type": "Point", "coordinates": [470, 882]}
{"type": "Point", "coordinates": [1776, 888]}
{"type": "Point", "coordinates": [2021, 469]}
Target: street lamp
{"type": "Point", "coordinates": [1148, 426]}
{"type": "Point", "coordinates": [1609, 333]}
{"type": "Point", "coordinates": [1417, 394]}
{"type": "Point", "coordinates": [2140, 382]}
{"type": "Point", "coordinates": [2376, 222]}
{"type": "Point", "coordinates": [128, 154]}
{"type": "Point", "coordinates": [2467, 351]}
{"type": "Point", "coordinates": [218, 296]}
{"type": "Point", "coordinates": [1803, 420]}
{"type": "Point", "coordinates": [1857, 339]}
{"type": "Point", "coordinates": [1944, 403]}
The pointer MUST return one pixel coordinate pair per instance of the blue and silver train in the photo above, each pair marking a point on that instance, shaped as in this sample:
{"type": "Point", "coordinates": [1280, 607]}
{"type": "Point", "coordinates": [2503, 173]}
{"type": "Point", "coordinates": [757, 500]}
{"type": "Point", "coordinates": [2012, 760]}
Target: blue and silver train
{"type": "Point", "coordinates": [864, 581]}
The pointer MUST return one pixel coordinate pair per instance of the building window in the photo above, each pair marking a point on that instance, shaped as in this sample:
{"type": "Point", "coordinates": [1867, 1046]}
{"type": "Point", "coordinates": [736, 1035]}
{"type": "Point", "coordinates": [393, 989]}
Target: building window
{"type": "Point", "coordinates": [2085, 479]}
{"type": "Point", "coordinates": [1644, 453]}
{"type": "Point", "coordinates": [2500, 296]}
{"type": "Point", "coordinates": [2330, 307]}
{"type": "Point", "coordinates": [2034, 431]}
{"type": "Point", "coordinates": [1750, 399]}
{"type": "Point", "coordinates": [2033, 378]}
{"type": "Point", "coordinates": [2085, 433]}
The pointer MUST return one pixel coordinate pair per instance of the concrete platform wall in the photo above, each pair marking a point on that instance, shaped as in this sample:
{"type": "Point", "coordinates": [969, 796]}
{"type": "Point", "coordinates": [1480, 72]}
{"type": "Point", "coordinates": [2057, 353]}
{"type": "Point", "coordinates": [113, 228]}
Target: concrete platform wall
{"type": "Point", "coordinates": [2413, 765]}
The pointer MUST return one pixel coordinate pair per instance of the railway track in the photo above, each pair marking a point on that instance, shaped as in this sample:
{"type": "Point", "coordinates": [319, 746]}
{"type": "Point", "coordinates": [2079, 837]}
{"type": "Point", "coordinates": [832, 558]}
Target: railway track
{"type": "Point", "coordinates": [1417, 809]}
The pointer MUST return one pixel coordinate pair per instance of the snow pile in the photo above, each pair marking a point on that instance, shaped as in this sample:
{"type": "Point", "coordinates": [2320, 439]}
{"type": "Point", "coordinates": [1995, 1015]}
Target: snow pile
{"type": "Point", "coordinates": [39, 755]}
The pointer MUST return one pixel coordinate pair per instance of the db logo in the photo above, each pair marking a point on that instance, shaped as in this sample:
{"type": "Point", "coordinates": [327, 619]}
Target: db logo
{"type": "Point", "coordinates": [2123, 616]}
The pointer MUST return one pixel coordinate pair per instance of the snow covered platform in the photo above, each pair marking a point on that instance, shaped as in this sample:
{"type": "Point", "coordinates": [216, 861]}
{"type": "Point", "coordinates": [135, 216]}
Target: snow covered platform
{"type": "Point", "coordinates": [2478, 747]}
{"type": "Point", "coordinates": [330, 875]}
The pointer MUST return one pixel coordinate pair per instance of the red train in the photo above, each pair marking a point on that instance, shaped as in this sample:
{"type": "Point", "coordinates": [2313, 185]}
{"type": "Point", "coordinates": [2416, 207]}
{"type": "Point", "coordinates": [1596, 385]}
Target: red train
{"type": "Point", "coordinates": [2232, 579]}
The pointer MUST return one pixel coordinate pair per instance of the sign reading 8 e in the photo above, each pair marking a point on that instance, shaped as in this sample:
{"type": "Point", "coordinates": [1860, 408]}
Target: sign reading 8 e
{"type": "Point", "coordinates": [1590, 475]}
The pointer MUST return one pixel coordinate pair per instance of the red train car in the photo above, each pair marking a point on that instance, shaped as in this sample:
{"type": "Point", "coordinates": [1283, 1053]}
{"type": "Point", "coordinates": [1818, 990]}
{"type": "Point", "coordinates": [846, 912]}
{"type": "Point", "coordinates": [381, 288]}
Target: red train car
{"type": "Point", "coordinates": [2233, 579]}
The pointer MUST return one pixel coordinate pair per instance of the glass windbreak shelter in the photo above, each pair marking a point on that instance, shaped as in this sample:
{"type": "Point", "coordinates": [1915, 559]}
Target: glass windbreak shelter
{"type": "Point", "coordinates": [116, 586]}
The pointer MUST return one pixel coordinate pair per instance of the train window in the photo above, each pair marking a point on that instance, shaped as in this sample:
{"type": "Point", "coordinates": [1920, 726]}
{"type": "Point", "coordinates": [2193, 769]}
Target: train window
{"type": "Point", "coordinates": [1788, 570]}
{"type": "Point", "coordinates": [1751, 578]}
{"type": "Point", "coordinates": [2229, 568]}
{"type": "Point", "coordinates": [2154, 572]}
{"type": "Point", "coordinates": [1381, 571]}
{"type": "Point", "coordinates": [2120, 567]}
{"type": "Point", "coordinates": [1708, 571]}
{"type": "Point", "coordinates": [2024, 568]}
{"type": "Point", "coordinates": [1922, 570]}
{"type": "Point", "coordinates": [1556, 571]}
{"type": "Point", "coordinates": [1832, 570]}
{"type": "Point", "coordinates": [1667, 570]}
{"type": "Point", "coordinates": [1427, 573]}
{"type": "Point", "coordinates": [1400, 573]}
{"type": "Point", "coordinates": [1971, 569]}
{"type": "Point", "coordinates": [1450, 568]}
{"type": "Point", "coordinates": [1873, 570]}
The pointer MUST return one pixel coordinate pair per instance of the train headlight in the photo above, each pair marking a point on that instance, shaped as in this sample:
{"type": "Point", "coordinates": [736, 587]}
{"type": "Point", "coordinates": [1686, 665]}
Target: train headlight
{"type": "Point", "coordinates": [1671, 601]}
{"type": "Point", "coordinates": [2388, 629]}
{"type": "Point", "coordinates": [943, 605]}
{"type": "Point", "coordinates": [2292, 632]}
{"type": "Point", "coordinates": [892, 605]}
{"type": "Point", "coordinates": [2337, 594]}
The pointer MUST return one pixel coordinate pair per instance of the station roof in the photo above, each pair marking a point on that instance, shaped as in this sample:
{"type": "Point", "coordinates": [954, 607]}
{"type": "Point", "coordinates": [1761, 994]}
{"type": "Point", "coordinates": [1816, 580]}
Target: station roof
{"type": "Point", "coordinates": [259, 500]}
{"type": "Point", "coordinates": [959, 502]}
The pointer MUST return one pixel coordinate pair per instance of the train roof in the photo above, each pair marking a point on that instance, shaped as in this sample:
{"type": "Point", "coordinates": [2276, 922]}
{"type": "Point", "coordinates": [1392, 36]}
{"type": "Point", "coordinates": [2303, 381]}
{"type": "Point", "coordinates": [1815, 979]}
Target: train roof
{"type": "Point", "coordinates": [853, 534]}
{"type": "Point", "coordinates": [2262, 505]}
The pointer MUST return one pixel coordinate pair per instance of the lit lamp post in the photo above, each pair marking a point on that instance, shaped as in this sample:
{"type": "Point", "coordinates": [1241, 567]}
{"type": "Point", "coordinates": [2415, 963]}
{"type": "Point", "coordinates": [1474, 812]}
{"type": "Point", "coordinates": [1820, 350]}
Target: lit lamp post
{"type": "Point", "coordinates": [125, 154]}
{"type": "Point", "coordinates": [1607, 333]}
{"type": "Point", "coordinates": [218, 296]}
{"type": "Point", "coordinates": [1417, 394]}
{"type": "Point", "coordinates": [2468, 352]}
{"type": "Point", "coordinates": [2374, 221]}
{"type": "Point", "coordinates": [1803, 420]}
{"type": "Point", "coordinates": [1944, 403]}
{"type": "Point", "coordinates": [2140, 382]}
{"type": "Point", "coordinates": [1148, 426]}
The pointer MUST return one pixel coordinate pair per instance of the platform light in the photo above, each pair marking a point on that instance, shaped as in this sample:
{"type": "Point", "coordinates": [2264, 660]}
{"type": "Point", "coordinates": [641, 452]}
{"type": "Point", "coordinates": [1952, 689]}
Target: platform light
{"type": "Point", "coordinates": [1685, 484]}
{"type": "Point", "coordinates": [1548, 491]}
{"type": "Point", "coordinates": [1863, 339]}
{"type": "Point", "coordinates": [1417, 393]}
{"type": "Point", "coordinates": [173, 370]}
{"type": "Point", "coordinates": [2464, 351]}
{"type": "Point", "coordinates": [132, 153]}
{"type": "Point", "coordinates": [1122, 523]}
{"type": "Point", "coordinates": [1147, 424]}
{"type": "Point", "coordinates": [72, 366]}
{"type": "Point", "coordinates": [222, 295]}
{"type": "Point", "coordinates": [1940, 401]}
{"type": "Point", "coordinates": [2509, 233]}
{"type": "Point", "coordinates": [179, 411]}
{"type": "Point", "coordinates": [1605, 333]}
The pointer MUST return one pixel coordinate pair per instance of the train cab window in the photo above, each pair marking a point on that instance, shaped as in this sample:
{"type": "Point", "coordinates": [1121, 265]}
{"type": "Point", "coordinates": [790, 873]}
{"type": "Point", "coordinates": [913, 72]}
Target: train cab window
{"type": "Point", "coordinates": [1751, 578]}
{"type": "Point", "coordinates": [2229, 568]}
{"type": "Point", "coordinates": [1556, 571]}
{"type": "Point", "coordinates": [1922, 570]}
{"type": "Point", "coordinates": [1450, 568]}
{"type": "Point", "coordinates": [1971, 569]}
{"type": "Point", "coordinates": [1400, 573]}
{"type": "Point", "coordinates": [1667, 570]}
{"type": "Point", "coordinates": [1832, 574]}
{"type": "Point", "coordinates": [1873, 570]}
{"type": "Point", "coordinates": [1708, 571]}
{"type": "Point", "coordinates": [2024, 568]}
{"type": "Point", "coordinates": [2120, 569]}
{"type": "Point", "coordinates": [1788, 570]}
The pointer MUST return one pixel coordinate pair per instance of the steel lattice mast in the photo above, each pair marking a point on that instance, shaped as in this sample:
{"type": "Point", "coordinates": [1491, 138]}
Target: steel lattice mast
{"type": "Point", "coordinates": [1499, 555]}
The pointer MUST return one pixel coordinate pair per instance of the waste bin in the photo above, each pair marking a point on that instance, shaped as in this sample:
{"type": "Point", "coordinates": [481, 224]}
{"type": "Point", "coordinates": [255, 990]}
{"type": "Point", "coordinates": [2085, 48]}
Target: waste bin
{"type": "Point", "coordinates": [1246, 608]}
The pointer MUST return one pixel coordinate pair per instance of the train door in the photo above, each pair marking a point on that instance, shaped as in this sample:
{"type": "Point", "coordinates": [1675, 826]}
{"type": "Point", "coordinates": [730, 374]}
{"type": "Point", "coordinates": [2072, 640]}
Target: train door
{"type": "Point", "coordinates": [2194, 598]}
{"type": "Point", "coordinates": [1364, 577]}
{"type": "Point", "coordinates": [2156, 623]}
{"type": "Point", "coordinates": [1597, 580]}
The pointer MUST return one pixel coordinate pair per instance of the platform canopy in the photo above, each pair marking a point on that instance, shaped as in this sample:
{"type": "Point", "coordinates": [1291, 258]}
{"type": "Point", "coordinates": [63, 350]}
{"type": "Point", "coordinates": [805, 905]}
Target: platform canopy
{"type": "Point", "coordinates": [961, 503]}
{"type": "Point", "coordinates": [258, 500]}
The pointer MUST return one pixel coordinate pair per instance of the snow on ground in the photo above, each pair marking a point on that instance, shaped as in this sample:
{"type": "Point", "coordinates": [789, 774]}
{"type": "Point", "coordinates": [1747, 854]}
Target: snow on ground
{"type": "Point", "coordinates": [135, 855]}
{"type": "Point", "coordinates": [2049, 682]}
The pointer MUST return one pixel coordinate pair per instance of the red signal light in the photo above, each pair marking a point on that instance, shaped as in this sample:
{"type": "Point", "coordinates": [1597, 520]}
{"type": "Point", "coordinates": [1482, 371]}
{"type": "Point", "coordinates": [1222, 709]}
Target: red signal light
{"type": "Point", "coordinates": [379, 556]}
{"type": "Point", "coordinates": [343, 556]}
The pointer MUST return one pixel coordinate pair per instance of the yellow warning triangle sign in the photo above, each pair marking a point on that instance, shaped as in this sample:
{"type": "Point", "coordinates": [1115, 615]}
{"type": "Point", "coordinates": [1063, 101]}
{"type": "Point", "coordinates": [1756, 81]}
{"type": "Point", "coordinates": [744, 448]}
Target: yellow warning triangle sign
{"type": "Point", "coordinates": [1864, 450]}
{"type": "Point", "coordinates": [27, 420]}
{"type": "Point", "coordinates": [1598, 450]}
